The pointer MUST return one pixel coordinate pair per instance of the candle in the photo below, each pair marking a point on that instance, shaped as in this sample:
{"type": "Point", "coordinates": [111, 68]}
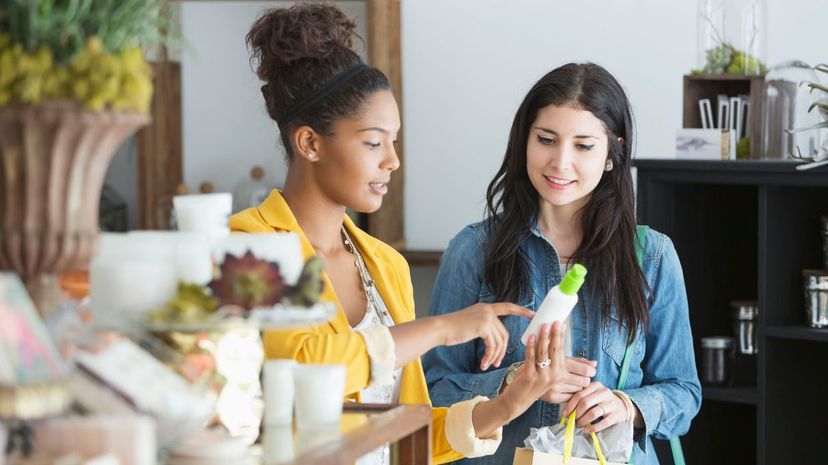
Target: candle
{"type": "Point", "coordinates": [204, 213]}
{"type": "Point", "coordinates": [277, 444]}
{"type": "Point", "coordinates": [278, 391]}
{"type": "Point", "coordinates": [319, 391]}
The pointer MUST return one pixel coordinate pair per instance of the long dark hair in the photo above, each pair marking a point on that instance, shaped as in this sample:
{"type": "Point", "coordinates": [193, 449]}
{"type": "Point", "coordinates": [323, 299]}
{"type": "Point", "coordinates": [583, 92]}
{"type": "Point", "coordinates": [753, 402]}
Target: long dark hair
{"type": "Point", "coordinates": [299, 49]}
{"type": "Point", "coordinates": [607, 219]}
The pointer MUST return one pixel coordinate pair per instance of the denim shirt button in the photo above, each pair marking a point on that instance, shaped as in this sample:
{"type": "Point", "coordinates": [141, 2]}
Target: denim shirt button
{"type": "Point", "coordinates": [581, 353]}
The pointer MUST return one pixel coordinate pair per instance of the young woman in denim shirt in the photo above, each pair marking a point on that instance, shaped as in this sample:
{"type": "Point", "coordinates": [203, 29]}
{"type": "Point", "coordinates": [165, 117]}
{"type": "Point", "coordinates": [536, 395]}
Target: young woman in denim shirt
{"type": "Point", "coordinates": [564, 195]}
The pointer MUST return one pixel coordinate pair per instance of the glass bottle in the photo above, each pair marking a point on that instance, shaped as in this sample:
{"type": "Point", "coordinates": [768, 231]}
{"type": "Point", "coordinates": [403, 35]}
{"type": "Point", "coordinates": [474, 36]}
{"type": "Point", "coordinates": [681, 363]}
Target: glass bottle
{"type": "Point", "coordinates": [786, 108]}
{"type": "Point", "coordinates": [732, 37]}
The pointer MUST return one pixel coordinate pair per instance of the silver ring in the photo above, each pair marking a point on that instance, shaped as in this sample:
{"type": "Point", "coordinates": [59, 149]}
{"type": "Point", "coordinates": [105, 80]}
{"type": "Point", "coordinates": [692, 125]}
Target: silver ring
{"type": "Point", "coordinates": [603, 411]}
{"type": "Point", "coordinates": [544, 363]}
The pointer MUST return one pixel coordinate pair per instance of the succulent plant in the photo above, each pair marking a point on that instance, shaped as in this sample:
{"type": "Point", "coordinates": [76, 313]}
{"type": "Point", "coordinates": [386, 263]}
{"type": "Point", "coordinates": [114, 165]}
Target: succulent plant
{"type": "Point", "coordinates": [191, 304]}
{"type": "Point", "coordinates": [245, 283]}
{"type": "Point", "coordinates": [310, 285]}
{"type": "Point", "coordinates": [743, 148]}
{"type": "Point", "coordinates": [726, 59]}
{"type": "Point", "coordinates": [249, 282]}
{"type": "Point", "coordinates": [718, 59]}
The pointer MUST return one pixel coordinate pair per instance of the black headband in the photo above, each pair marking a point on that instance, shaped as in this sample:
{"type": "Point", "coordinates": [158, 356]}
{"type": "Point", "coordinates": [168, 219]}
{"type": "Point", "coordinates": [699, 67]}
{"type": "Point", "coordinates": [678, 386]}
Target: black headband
{"type": "Point", "coordinates": [317, 95]}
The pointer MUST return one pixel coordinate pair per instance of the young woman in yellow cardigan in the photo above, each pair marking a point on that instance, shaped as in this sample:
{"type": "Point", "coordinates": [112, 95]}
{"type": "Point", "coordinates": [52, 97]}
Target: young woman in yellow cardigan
{"type": "Point", "coordinates": [338, 122]}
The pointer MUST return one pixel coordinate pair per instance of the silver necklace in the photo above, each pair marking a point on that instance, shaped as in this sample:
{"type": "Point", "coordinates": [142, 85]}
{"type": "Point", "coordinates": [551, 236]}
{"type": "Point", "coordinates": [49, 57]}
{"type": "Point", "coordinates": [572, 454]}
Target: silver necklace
{"type": "Point", "coordinates": [366, 282]}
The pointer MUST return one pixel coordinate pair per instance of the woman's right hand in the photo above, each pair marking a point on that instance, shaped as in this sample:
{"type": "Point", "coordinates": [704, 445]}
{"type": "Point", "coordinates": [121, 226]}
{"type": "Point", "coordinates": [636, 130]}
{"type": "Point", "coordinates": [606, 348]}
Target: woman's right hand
{"type": "Point", "coordinates": [579, 374]}
{"type": "Point", "coordinates": [533, 379]}
{"type": "Point", "coordinates": [481, 320]}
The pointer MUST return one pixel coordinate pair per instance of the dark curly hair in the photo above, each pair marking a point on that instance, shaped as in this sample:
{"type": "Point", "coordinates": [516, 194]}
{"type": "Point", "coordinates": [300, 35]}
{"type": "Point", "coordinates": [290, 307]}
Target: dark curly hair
{"type": "Point", "coordinates": [298, 50]}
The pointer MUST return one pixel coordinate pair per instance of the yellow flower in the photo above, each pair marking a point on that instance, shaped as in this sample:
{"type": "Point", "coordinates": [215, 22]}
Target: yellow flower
{"type": "Point", "coordinates": [80, 88]}
{"type": "Point", "coordinates": [94, 45]}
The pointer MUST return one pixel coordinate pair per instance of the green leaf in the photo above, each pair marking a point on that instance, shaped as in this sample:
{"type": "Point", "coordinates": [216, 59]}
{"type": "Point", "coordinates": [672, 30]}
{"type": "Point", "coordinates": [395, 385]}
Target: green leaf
{"type": "Point", "coordinates": [815, 86]}
{"type": "Point", "coordinates": [823, 124]}
{"type": "Point", "coordinates": [820, 105]}
{"type": "Point", "coordinates": [65, 25]}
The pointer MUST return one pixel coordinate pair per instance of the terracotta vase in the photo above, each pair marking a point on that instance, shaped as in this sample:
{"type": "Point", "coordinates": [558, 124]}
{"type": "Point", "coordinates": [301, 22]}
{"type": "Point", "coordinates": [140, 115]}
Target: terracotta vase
{"type": "Point", "coordinates": [53, 159]}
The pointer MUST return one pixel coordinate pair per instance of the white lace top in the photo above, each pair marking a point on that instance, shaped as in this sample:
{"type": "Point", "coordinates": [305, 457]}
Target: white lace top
{"type": "Point", "coordinates": [376, 313]}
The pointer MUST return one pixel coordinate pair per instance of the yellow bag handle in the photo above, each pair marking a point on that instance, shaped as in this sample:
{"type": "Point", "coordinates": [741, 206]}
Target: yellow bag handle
{"type": "Point", "coordinates": [569, 439]}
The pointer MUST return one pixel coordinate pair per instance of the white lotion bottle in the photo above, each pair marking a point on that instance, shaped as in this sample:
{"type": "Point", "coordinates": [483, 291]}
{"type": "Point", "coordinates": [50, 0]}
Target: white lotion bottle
{"type": "Point", "coordinates": [558, 303]}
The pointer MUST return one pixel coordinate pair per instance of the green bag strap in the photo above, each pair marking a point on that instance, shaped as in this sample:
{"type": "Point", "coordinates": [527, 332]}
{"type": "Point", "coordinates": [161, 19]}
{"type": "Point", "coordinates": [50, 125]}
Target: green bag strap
{"type": "Point", "coordinates": [675, 442]}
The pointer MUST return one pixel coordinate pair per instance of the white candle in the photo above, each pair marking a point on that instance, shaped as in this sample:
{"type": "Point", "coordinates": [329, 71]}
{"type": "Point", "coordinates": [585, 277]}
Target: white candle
{"type": "Point", "coordinates": [277, 444]}
{"type": "Point", "coordinates": [278, 391]}
{"type": "Point", "coordinates": [319, 393]}
{"type": "Point", "coordinates": [204, 213]}
{"type": "Point", "coordinates": [126, 291]}
{"type": "Point", "coordinates": [189, 250]}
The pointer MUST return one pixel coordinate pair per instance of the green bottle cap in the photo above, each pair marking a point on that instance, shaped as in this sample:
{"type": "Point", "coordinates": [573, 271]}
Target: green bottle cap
{"type": "Point", "coordinates": [573, 280]}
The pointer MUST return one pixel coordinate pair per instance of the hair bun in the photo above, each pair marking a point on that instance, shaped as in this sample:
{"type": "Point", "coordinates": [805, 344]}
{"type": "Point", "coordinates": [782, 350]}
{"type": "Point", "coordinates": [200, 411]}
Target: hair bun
{"type": "Point", "coordinates": [282, 36]}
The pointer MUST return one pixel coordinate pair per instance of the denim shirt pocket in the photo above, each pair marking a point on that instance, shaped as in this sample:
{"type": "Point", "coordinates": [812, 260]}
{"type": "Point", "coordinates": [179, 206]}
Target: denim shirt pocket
{"type": "Point", "coordinates": [614, 339]}
{"type": "Point", "coordinates": [514, 324]}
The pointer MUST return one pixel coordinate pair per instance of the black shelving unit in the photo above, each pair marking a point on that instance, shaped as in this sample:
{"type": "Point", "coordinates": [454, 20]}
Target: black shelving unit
{"type": "Point", "coordinates": [745, 230]}
{"type": "Point", "coordinates": [739, 395]}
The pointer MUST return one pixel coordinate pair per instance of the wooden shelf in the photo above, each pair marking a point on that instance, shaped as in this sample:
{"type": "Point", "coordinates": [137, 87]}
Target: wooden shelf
{"type": "Point", "coordinates": [423, 257]}
{"type": "Point", "coordinates": [407, 427]}
{"type": "Point", "coordinates": [739, 395]}
{"type": "Point", "coordinates": [797, 333]}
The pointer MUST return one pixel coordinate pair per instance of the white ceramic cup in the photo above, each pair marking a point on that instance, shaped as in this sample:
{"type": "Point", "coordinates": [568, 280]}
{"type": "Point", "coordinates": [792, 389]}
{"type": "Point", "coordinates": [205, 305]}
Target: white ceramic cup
{"type": "Point", "coordinates": [319, 393]}
{"type": "Point", "coordinates": [278, 391]}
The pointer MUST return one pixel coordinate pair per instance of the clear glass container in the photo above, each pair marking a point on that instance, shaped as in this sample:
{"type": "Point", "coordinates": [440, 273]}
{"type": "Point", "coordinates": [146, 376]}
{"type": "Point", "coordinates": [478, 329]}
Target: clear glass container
{"type": "Point", "coordinates": [717, 352]}
{"type": "Point", "coordinates": [732, 36]}
{"type": "Point", "coordinates": [786, 103]}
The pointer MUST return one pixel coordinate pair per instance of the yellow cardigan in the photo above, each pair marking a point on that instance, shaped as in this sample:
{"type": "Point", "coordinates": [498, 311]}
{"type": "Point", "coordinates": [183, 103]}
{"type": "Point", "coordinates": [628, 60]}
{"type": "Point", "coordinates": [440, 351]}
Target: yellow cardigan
{"type": "Point", "coordinates": [335, 342]}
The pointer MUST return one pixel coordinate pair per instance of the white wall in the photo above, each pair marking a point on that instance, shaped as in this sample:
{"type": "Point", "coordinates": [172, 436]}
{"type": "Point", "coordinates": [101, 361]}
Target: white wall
{"type": "Point", "coordinates": [467, 64]}
{"type": "Point", "coordinates": [226, 129]}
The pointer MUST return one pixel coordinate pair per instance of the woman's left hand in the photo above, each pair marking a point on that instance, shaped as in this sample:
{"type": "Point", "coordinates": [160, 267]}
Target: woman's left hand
{"type": "Point", "coordinates": [593, 402]}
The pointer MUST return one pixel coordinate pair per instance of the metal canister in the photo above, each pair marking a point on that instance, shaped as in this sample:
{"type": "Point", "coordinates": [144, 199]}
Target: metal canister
{"type": "Point", "coordinates": [716, 354]}
{"type": "Point", "coordinates": [816, 297]}
{"type": "Point", "coordinates": [745, 314]}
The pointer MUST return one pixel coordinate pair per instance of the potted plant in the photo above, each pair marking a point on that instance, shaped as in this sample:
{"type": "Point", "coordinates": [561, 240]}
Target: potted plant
{"type": "Point", "coordinates": [73, 86]}
{"type": "Point", "coordinates": [821, 104]}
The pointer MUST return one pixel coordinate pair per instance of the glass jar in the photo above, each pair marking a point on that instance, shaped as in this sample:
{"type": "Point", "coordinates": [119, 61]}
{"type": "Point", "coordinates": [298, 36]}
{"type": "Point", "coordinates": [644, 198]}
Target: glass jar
{"type": "Point", "coordinates": [731, 36]}
{"type": "Point", "coordinates": [785, 108]}
{"type": "Point", "coordinates": [816, 297]}
{"type": "Point", "coordinates": [716, 354]}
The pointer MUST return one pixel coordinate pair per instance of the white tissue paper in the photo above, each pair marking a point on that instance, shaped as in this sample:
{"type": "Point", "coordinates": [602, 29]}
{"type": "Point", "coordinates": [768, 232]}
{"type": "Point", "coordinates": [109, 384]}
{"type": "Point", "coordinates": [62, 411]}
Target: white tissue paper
{"type": "Point", "coordinates": [616, 442]}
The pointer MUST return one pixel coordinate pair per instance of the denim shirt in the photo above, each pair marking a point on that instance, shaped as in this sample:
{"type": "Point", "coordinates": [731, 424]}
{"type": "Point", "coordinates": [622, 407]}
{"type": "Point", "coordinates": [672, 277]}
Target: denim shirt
{"type": "Point", "coordinates": [662, 382]}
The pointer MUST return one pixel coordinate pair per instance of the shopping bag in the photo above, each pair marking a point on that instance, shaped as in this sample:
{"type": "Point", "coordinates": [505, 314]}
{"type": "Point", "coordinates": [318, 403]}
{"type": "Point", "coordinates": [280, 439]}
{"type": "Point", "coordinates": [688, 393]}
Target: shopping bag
{"type": "Point", "coordinates": [576, 448]}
